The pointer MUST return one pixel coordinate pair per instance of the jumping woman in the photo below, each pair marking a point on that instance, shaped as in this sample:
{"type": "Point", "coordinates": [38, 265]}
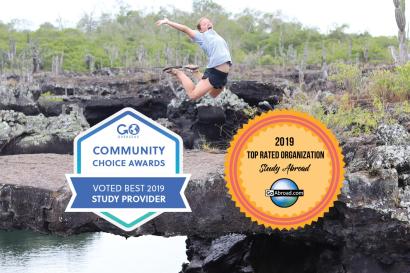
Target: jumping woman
{"type": "Point", "coordinates": [215, 77]}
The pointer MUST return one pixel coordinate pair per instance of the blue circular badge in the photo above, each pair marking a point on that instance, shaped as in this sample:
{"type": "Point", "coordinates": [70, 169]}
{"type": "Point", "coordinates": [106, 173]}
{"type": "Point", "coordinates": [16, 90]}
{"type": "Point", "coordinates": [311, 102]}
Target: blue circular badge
{"type": "Point", "coordinates": [285, 193]}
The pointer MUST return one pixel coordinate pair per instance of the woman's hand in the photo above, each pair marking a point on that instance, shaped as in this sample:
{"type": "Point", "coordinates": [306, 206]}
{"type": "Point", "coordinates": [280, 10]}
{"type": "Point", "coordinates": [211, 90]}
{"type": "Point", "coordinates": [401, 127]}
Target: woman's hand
{"type": "Point", "coordinates": [163, 21]}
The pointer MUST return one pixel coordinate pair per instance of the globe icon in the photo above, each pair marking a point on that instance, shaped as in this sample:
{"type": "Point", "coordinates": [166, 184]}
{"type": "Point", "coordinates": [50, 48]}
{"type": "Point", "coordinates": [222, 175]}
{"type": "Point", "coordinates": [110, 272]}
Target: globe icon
{"type": "Point", "coordinates": [284, 201]}
{"type": "Point", "coordinates": [134, 129]}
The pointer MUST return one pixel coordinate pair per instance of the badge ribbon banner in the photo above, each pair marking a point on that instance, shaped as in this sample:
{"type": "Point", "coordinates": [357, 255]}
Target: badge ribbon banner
{"type": "Point", "coordinates": [128, 192]}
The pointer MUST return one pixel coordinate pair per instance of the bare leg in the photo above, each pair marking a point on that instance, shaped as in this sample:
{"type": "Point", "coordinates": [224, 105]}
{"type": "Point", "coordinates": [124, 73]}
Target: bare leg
{"type": "Point", "coordinates": [186, 82]}
{"type": "Point", "coordinates": [197, 74]}
{"type": "Point", "coordinates": [215, 92]}
{"type": "Point", "coordinates": [193, 92]}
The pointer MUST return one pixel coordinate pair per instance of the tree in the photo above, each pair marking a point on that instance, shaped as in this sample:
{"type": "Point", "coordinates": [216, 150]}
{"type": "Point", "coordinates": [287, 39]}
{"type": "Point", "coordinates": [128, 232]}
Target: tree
{"type": "Point", "coordinates": [206, 7]}
{"type": "Point", "coordinates": [87, 23]}
{"type": "Point", "coordinates": [112, 52]}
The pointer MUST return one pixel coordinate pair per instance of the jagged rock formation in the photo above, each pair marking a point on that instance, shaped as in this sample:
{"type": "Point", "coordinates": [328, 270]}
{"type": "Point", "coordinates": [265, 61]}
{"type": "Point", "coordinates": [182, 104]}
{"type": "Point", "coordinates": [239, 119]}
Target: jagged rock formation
{"type": "Point", "coordinates": [21, 134]}
{"type": "Point", "coordinates": [210, 121]}
{"type": "Point", "coordinates": [19, 97]}
{"type": "Point", "coordinates": [368, 229]}
{"type": "Point", "coordinates": [254, 92]}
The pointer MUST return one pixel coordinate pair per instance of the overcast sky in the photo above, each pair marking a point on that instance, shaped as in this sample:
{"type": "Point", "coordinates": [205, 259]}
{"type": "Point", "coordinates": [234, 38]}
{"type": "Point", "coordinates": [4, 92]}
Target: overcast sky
{"type": "Point", "coordinates": [375, 16]}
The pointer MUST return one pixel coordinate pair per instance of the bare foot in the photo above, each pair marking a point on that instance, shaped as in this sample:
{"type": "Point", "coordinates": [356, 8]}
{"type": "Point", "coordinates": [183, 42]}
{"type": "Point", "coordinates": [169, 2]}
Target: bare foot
{"type": "Point", "coordinates": [192, 67]}
{"type": "Point", "coordinates": [172, 71]}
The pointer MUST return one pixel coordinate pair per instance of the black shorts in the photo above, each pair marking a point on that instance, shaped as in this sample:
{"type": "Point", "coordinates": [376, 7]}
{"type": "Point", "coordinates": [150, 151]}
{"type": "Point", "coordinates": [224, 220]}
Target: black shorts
{"type": "Point", "coordinates": [217, 78]}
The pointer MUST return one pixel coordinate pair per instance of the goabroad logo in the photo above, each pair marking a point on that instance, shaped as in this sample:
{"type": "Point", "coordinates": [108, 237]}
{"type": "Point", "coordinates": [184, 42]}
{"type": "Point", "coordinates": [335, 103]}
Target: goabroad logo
{"type": "Point", "coordinates": [128, 131]}
{"type": "Point", "coordinates": [284, 193]}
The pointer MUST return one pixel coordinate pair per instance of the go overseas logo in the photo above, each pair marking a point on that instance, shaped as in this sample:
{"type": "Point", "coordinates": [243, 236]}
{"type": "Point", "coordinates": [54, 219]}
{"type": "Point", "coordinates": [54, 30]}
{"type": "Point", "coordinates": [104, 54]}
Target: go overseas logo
{"type": "Point", "coordinates": [284, 169]}
{"type": "Point", "coordinates": [128, 170]}
{"type": "Point", "coordinates": [128, 131]}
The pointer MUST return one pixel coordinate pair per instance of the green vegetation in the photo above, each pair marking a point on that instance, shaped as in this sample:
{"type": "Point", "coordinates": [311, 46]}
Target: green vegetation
{"type": "Point", "coordinates": [346, 117]}
{"type": "Point", "coordinates": [402, 108]}
{"type": "Point", "coordinates": [359, 110]}
{"type": "Point", "coordinates": [357, 120]}
{"type": "Point", "coordinates": [390, 85]}
{"type": "Point", "coordinates": [347, 76]}
{"type": "Point", "coordinates": [250, 111]}
{"type": "Point", "coordinates": [131, 39]}
{"type": "Point", "coordinates": [48, 96]}
{"type": "Point", "coordinates": [209, 148]}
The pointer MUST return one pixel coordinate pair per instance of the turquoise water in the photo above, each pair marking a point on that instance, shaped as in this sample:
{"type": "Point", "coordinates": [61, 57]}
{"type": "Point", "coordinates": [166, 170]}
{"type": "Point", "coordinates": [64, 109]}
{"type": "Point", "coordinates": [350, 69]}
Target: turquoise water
{"type": "Point", "coordinates": [29, 252]}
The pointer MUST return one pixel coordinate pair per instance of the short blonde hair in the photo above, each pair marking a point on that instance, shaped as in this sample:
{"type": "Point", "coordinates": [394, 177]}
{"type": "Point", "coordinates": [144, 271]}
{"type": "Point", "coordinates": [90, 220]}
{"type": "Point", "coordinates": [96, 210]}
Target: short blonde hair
{"type": "Point", "coordinates": [198, 26]}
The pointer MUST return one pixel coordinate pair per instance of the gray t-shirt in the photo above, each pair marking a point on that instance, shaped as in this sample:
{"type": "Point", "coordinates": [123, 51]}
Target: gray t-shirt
{"type": "Point", "coordinates": [215, 47]}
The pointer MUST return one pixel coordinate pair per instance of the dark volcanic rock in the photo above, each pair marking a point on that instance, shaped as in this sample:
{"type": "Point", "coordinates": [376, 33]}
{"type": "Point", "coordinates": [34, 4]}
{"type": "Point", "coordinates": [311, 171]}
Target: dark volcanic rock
{"type": "Point", "coordinates": [254, 92]}
{"type": "Point", "coordinates": [19, 96]}
{"type": "Point", "coordinates": [368, 229]}
{"type": "Point", "coordinates": [369, 223]}
{"type": "Point", "coordinates": [21, 134]}
{"type": "Point", "coordinates": [223, 254]}
{"type": "Point", "coordinates": [99, 109]}
{"type": "Point", "coordinates": [393, 134]}
{"type": "Point", "coordinates": [51, 106]}
{"type": "Point", "coordinates": [309, 76]}
{"type": "Point", "coordinates": [355, 151]}
{"type": "Point", "coordinates": [347, 240]}
{"type": "Point", "coordinates": [30, 212]}
{"type": "Point", "coordinates": [210, 120]}
{"type": "Point", "coordinates": [390, 156]}
{"type": "Point", "coordinates": [382, 190]}
{"type": "Point", "coordinates": [211, 114]}
{"type": "Point", "coordinates": [100, 97]}
{"type": "Point", "coordinates": [312, 75]}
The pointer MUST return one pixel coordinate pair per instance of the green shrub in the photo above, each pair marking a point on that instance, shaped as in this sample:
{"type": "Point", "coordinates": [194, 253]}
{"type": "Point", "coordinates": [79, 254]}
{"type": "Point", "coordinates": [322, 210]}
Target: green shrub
{"type": "Point", "coordinates": [390, 86]}
{"type": "Point", "coordinates": [347, 76]}
{"type": "Point", "coordinates": [381, 84]}
{"type": "Point", "coordinates": [353, 120]}
{"type": "Point", "coordinates": [267, 59]}
{"type": "Point", "coordinates": [402, 107]}
{"type": "Point", "coordinates": [402, 87]}
{"type": "Point", "coordinates": [48, 96]}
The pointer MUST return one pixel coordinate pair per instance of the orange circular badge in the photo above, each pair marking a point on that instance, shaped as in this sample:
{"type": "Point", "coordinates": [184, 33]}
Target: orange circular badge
{"type": "Point", "coordinates": [284, 169]}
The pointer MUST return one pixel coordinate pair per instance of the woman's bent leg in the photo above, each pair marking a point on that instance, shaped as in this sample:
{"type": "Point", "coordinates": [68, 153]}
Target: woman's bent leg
{"type": "Point", "coordinates": [215, 92]}
{"type": "Point", "coordinates": [194, 92]}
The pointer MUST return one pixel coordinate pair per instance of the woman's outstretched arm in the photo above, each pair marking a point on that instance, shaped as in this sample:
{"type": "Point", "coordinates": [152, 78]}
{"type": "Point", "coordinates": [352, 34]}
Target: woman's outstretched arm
{"type": "Point", "coordinates": [190, 32]}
